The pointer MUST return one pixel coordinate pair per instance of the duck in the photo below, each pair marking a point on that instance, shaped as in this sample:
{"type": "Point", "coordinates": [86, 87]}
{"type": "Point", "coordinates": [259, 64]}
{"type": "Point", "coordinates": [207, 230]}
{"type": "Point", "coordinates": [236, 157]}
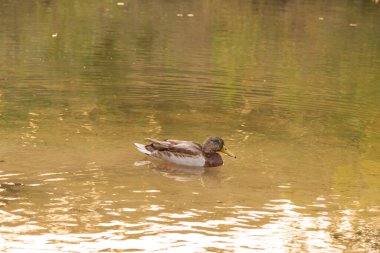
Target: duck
{"type": "Point", "coordinates": [188, 153]}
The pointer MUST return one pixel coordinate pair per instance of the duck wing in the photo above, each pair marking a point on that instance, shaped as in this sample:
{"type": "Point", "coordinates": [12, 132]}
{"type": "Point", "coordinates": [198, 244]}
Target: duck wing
{"type": "Point", "coordinates": [176, 151]}
{"type": "Point", "coordinates": [177, 146]}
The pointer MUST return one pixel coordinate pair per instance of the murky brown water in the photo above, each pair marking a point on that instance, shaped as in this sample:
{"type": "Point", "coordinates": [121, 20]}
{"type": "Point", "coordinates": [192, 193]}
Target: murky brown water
{"type": "Point", "coordinates": [292, 87]}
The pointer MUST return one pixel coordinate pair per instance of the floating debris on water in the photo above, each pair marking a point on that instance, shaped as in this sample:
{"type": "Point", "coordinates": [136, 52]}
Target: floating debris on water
{"type": "Point", "coordinates": [9, 184]}
{"type": "Point", "coordinates": [181, 15]}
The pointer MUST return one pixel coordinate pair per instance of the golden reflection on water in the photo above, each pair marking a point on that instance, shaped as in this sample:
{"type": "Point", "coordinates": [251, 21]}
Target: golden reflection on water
{"type": "Point", "coordinates": [29, 137]}
{"type": "Point", "coordinates": [109, 201]}
{"type": "Point", "coordinates": [139, 204]}
{"type": "Point", "coordinates": [91, 210]}
{"type": "Point", "coordinates": [279, 226]}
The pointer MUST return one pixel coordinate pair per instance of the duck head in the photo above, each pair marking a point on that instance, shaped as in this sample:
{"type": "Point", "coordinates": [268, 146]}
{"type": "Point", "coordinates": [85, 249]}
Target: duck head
{"type": "Point", "coordinates": [215, 144]}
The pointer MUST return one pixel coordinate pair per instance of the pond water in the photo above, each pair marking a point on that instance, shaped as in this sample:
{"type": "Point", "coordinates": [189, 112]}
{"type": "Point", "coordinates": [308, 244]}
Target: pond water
{"type": "Point", "coordinates": [293, 87]}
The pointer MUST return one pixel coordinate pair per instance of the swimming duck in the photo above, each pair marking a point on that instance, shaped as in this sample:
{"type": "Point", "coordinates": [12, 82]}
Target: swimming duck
{"type": "Point", "coordinates": [187, 152]}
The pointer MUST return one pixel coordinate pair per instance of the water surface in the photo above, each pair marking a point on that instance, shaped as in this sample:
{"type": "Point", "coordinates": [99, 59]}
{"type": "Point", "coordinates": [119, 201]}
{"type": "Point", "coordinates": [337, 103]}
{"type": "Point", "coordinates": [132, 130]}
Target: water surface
{"type": "Point", "coordinates": [292, 87]}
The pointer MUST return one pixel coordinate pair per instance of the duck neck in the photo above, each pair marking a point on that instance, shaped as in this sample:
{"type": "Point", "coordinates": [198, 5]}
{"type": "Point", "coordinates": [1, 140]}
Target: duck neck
{"type": "Point", "coordinates": [213, 160]}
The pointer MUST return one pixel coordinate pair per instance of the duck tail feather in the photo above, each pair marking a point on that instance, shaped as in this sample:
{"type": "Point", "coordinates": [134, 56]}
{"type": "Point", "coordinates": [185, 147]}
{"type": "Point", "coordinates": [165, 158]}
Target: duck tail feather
{"type": "Point", "coordinates": [142, 149]}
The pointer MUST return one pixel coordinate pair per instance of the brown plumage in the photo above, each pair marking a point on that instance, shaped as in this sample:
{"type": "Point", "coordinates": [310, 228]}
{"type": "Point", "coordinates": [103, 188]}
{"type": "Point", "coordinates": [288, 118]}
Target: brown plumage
{"type": "Point", "coordinates": [187, 152]}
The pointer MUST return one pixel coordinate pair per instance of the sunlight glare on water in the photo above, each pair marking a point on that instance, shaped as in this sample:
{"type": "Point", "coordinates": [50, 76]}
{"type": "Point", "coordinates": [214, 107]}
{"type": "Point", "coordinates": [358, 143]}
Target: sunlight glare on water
{"type": "Point", "coordinates": [291, 87]}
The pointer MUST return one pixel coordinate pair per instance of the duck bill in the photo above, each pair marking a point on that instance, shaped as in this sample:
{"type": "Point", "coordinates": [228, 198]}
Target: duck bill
{"type": "Point", "coordinates": [225, 151]}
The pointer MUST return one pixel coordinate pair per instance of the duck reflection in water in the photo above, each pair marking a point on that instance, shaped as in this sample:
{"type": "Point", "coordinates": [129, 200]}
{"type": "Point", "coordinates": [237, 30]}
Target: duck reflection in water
{"type": "Point", "coordinates": [209, 177]}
